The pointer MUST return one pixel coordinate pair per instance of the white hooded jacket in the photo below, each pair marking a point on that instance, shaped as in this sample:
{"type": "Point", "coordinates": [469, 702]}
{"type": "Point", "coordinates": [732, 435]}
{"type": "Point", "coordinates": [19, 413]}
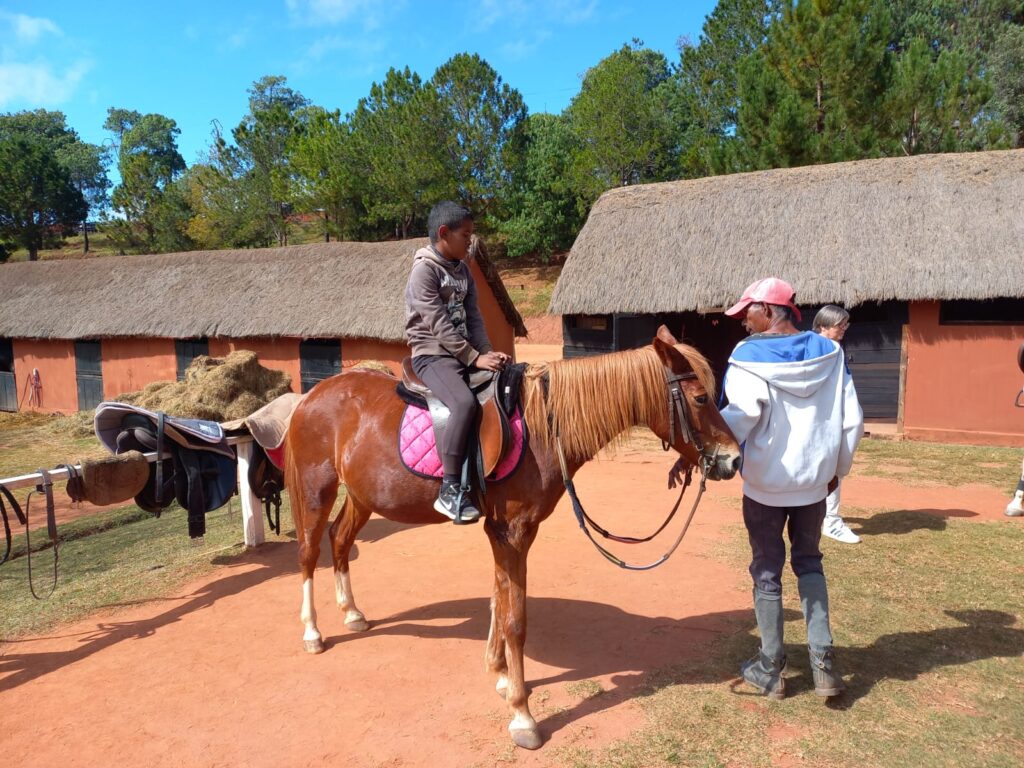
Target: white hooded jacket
{"type": "Point", "coordinates": [794, 410]}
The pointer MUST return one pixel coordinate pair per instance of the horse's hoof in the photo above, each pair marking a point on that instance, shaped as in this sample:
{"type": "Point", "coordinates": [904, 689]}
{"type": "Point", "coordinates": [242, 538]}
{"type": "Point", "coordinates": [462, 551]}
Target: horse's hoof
{"type": "Point", "coordinates": [503, 692]}
{"type": "Point", "coordinates": [526, 739]}
{"type": "Point", "coordinates": [314, 646]}
{"type": "Point", "coordinates": [357, 625]}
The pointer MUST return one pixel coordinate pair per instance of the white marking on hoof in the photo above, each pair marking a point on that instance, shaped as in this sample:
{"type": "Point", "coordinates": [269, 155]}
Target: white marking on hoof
{"type": "Point", "coordinates": [527, 739]}
{"type": "Point", "coordinates": [356, 622]}
{"type": "Point", "coordinates": [502, 686]}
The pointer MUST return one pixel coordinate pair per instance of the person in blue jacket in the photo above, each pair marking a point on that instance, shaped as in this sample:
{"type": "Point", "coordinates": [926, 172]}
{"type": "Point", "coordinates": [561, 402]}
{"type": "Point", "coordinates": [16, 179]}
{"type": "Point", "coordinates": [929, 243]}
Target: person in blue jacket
{"type": "Point", "coordinates": [793, 408]}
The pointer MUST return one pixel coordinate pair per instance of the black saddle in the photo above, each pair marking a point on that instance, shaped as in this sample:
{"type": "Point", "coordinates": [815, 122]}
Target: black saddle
{"type": "Point", "coordinates": [201, 472]}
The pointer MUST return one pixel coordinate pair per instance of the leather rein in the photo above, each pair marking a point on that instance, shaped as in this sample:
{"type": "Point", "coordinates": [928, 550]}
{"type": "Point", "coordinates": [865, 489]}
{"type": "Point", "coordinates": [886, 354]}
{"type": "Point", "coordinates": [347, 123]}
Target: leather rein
{"type": "Point", "coordinates": [678, 413]}
{"type": "Point", "coordinates": [46, 489]}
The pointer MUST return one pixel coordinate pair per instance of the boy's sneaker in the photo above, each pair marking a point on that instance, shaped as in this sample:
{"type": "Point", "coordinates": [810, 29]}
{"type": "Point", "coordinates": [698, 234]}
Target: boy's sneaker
{"type": "Point", "coordinates": [1016, 507]}
{"type": "Point", "coordinates": [841, 532]}
{"type": "Point", "coordinates": [448, 504]}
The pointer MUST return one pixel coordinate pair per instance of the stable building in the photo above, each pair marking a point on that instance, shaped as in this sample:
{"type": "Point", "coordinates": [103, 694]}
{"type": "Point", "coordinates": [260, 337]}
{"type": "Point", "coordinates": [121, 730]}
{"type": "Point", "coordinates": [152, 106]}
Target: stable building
{"type": "Point", "coordinates": [925, 252]}
{"type": "Point", "coordinates": [74, 333]}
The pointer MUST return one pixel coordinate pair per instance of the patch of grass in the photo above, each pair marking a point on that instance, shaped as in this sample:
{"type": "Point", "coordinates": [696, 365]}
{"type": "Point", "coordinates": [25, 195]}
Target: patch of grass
{"type": "Point", "coordinates": [584, 689]}
{"type": "Point", "coordinates": [926, 615]}
{"type": "Point", "coordinates": [530, 288]}
{"type": "Point", "coordinates": [937, 463]}
{"type": "Point", "coordinates": [112, 557]}
{"type": "Point", "coordinates": [115, 558]}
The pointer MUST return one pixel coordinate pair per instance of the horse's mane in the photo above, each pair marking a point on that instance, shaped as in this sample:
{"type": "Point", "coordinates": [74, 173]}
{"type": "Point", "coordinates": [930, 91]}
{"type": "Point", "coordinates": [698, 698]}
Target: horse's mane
{"type": "Point", "coordinates": [592, 402]}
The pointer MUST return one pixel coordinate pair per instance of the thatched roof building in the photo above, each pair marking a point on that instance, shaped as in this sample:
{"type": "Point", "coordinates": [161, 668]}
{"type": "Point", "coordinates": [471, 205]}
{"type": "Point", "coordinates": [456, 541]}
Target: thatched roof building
{"type": "Point", "coordinates": [320, 290]}
{"type": "Point", "coordinates": [930, 227]}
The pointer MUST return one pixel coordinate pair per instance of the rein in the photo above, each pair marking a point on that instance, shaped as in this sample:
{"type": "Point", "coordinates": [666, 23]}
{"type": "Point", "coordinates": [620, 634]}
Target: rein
{"type": "Point", "coordinates": [678, 411]}
{"type": "Point", "coordinates": [45, 488]}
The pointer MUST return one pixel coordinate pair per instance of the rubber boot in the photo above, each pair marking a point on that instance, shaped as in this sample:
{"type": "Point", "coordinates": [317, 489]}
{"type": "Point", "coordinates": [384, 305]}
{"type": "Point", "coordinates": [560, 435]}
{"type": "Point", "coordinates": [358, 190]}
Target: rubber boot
{"type": "Point", "coordinates": [814, 603]}
{"type": "Point", "coordinates": [764, 671]}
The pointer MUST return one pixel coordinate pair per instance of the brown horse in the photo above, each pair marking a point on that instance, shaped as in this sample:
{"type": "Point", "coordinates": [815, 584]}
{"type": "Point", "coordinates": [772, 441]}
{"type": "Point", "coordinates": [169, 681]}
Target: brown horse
{"type": "Point", "coordinates": [346, 430]}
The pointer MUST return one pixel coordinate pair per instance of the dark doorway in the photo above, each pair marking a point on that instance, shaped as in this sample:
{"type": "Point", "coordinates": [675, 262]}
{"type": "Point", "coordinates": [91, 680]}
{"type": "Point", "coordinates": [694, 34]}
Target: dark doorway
{"type": "Point", "coordinates": [187, 350]}
{"type": "Point", "coordinates": [8, 387]}
{"type": "Point", "coordinates": [319, 359]}
{"type": "Point", "coordinates": [89, 374]}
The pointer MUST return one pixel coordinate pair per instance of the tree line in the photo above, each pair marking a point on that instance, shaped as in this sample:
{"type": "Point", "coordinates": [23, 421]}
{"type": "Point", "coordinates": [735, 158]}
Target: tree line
{"type": "Point", "coordinates": [769, 83]}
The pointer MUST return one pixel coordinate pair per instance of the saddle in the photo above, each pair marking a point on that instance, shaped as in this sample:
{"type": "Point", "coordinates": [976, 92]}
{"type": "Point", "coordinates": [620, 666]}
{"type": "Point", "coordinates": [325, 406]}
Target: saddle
{"type": "Point", "coordinates": [268, 427]}
{"type": "Point", "coordinates": [200, 472]}
{"type": "Point", "coordinates": [494, 434]}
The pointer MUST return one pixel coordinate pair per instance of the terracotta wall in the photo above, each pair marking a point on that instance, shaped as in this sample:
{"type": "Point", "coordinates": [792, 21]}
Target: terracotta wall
{"type": "Point", "coordinates": [280, 353]}
{"type": "Point", "coordinates": [55, 359]}
{"type": "Point", "coordinates": [961, 381]}
{"type": "Point", "coordinates": [131, 364]}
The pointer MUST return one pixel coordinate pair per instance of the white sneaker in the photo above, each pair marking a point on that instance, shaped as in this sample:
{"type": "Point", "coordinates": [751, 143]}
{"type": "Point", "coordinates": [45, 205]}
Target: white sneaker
{"type": "Point", "coordinates": [1016, 508]}
{"type": "Point", "coordinates": [841, 533]}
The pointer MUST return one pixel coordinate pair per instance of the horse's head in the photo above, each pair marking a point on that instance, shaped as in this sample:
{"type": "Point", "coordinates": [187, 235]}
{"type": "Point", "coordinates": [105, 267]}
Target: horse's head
{"type": "Point", "coordinates": [692, 424]}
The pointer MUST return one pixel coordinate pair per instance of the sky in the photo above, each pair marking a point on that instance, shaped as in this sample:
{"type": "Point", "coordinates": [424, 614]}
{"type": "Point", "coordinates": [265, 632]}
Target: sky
{"type": "Point", "coordinates": [194, 61]}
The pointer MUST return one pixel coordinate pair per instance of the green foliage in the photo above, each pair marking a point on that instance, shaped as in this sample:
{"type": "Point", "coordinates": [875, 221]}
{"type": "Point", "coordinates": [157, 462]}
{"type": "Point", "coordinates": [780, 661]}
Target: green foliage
{"type": "Point", "coordinates": [83, 166]}
{"type": "Point", "coordinates": [1006, 68]}
{"type": "Point", "coordinates": [326, 169]}
{"type": "Point", "coordinates": [479, 120]}
{"type": "Point", "coordinates": [625, 134]}
{"type": "Point", "coordinates": [148, 162]}
{"type": "Point", "coordinates": [262, 139]}
{"type": "Point", "coordinates": [708, 76]}
{"type": "Point", "coordinates": [396, 133]}
{"type": "Point", "coordinates": [38, 202]}
{"type": "Point", "coordinates": [809, 94]}
{"type": "Point", "coordinates": [545, 211]}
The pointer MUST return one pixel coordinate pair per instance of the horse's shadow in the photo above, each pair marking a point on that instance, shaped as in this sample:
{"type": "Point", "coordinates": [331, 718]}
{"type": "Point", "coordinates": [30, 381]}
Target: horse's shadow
{"type": "Point", "coordinates": [16, 668]}
{"type": "Point", "coordinates": [642, 654]}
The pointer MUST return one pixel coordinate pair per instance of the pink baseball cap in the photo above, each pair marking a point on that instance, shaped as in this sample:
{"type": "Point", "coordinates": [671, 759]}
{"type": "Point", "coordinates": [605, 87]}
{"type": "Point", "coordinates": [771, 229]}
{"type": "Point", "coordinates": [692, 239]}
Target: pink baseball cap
{"type": "Point", "coordinates": [768, 290]}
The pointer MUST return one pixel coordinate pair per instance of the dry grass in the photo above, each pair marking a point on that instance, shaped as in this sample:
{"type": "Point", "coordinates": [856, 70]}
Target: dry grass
{"type": "Point", "coordinates": [927, 622]}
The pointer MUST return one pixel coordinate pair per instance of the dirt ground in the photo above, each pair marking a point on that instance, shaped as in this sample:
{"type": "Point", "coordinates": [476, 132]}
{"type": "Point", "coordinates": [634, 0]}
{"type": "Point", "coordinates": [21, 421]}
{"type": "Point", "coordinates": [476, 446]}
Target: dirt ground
{"type": "Point", "coordinates": [215, 674]}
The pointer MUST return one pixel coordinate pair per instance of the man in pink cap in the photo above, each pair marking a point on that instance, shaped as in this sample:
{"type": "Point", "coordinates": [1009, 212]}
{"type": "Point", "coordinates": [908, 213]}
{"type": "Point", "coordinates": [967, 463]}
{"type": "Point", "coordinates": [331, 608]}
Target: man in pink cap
{"type": "Point", "coordinates": [793, 409]}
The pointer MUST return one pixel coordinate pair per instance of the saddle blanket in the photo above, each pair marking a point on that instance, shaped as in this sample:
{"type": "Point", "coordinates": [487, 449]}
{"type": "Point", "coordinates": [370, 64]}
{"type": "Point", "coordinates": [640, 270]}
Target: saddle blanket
{"type": "Point", "coordinates": [418, 448]}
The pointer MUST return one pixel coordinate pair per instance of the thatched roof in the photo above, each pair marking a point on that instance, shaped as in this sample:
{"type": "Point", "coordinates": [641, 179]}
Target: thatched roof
{"type": "Point", "coordinates": [929, 227]}
{"type": "Point", "coordinates": [321, 290]}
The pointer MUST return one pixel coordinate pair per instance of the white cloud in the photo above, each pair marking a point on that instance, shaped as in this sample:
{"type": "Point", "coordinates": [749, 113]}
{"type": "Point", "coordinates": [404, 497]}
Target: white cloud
{"type": "Point", "coordinates": [524, 47]}
{"type": "Point", "coordinates": [530, 13]}
{"type": "Point", "coordinates": [361, 47]}
{"type": "Point", "coordinates": [37, 85]}
{"type": "Point", "coordinates": [313, 12]}
{"type": "Point", "coordinates": [28, 29]}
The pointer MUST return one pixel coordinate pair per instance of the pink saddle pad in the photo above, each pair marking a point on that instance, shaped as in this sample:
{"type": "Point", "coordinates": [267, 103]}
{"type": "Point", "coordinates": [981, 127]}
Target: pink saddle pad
{"type": "Point", "coordinates": [418, 448]}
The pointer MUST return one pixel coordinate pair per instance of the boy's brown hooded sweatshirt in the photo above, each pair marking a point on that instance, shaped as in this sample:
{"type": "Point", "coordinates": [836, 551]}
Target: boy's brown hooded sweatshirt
{"type": "Point", "coordinates": [442, 316]}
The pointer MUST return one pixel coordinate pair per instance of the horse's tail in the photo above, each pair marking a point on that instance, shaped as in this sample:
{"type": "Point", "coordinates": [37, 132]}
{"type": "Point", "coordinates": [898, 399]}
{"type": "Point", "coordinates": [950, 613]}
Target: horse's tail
{"type": "Point", "coordinates": [312, 485]}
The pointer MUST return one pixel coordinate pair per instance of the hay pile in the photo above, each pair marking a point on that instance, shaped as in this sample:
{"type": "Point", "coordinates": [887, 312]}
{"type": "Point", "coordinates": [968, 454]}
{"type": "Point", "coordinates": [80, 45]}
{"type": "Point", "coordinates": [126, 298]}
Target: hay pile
{"type": "Point", "coordinates": [215, 389]}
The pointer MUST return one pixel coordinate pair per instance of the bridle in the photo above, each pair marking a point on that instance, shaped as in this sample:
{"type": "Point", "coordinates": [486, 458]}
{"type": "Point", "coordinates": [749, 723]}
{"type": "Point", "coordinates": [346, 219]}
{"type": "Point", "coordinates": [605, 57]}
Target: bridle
{"type": "Point", "coordinates": [678, 413]}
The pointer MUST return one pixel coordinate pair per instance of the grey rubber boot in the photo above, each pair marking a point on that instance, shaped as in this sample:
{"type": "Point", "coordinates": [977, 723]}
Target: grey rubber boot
{"type": "Point", "coordinates": [764, 671]}
{"type": "Point", "coordinates": [814, 603]}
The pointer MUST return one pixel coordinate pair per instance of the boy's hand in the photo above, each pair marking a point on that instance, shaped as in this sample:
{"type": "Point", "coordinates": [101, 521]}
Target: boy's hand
{"type": "Point", "coordinates": [491, 361]}
{"type": "Point", "coordinates": [833, 484]}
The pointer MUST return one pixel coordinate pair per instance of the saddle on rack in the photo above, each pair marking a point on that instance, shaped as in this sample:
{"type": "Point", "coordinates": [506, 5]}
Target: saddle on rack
{"type": "Point", "coordinates": [194, 466]}
{"type": "Point", "coordinates": [268, 428]}
{"type": "Point", "coordinates": [494, 435]}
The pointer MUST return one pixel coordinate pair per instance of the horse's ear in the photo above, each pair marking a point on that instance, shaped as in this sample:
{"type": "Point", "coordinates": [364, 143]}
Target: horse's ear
{"type": "Point", "coordinates": [666, 335]}
{"type": "Point", "coordinates": [670, 356]}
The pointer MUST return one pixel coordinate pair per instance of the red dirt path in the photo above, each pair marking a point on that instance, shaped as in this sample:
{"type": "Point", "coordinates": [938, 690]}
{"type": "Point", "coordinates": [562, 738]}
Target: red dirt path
{"type": "Point", "coordinates": [215, 675]}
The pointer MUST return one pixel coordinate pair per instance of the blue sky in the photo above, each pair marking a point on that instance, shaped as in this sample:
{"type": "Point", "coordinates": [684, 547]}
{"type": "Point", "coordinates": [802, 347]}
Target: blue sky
{"type": "Point", "coordinates": [194, 61]}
